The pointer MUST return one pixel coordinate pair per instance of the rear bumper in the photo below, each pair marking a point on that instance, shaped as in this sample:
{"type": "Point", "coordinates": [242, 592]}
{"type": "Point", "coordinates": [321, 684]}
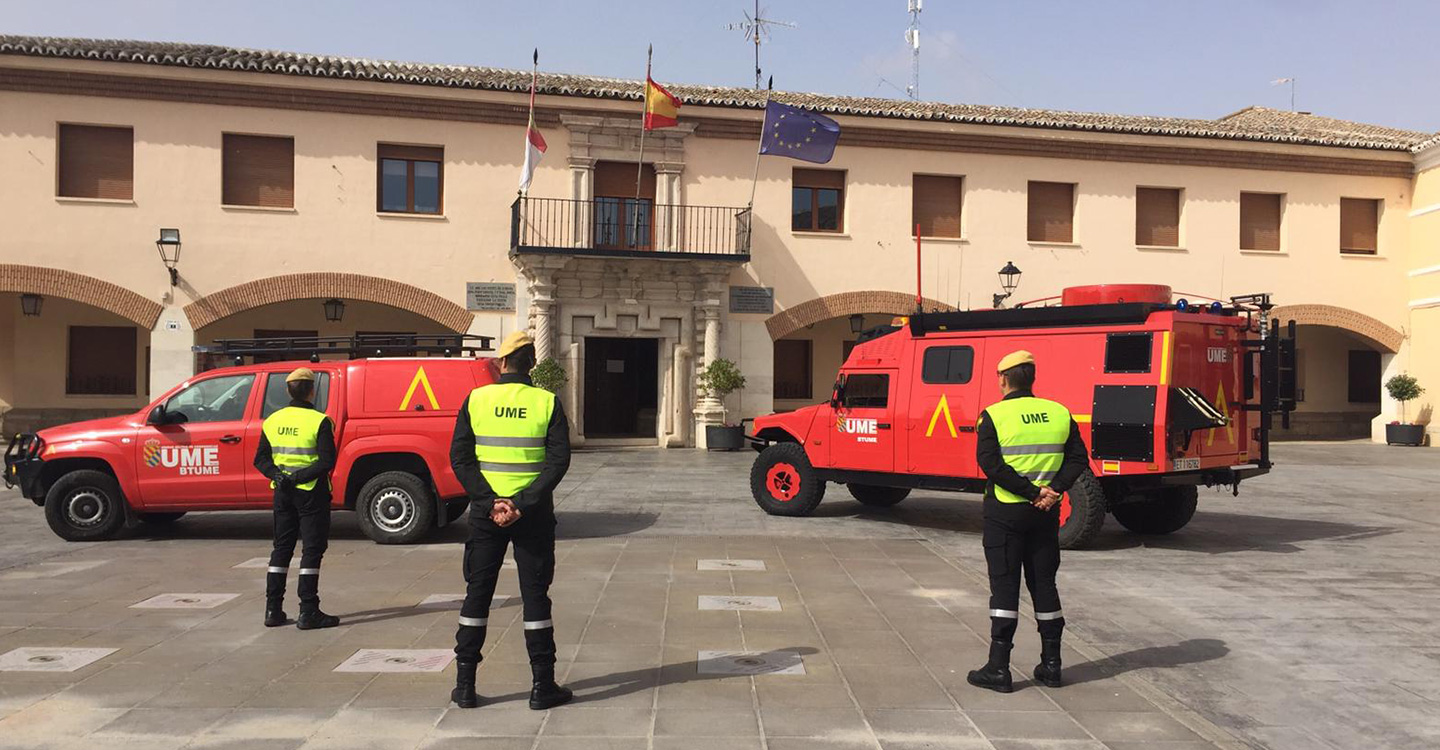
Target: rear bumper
{"type": "Point", "coordinates": [23, 464]}
{"type": "Point", "coordinates": [1218, 476]}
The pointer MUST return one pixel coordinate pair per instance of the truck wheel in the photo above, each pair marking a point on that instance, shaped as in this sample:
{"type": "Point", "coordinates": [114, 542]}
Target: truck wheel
{"type": "Point", "coordinates": [1082, 512]}
{"type": "Point", "coordinates": [1167, 510]}
{"type": "Point", "coordinates": [161, 519]}
{"type": "Point", "coordinates": [784, 483]}
{"type": "Point", "coordinates": [85, 506]}
{"type": "Point", "coordinates": [395, 507]}
{"type": "Point", "coordinates": [878, 497]}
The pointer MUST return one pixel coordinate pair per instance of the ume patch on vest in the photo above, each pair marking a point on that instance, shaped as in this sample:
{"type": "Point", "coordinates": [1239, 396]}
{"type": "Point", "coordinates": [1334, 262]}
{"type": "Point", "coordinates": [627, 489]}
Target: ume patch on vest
{"type": "Point", "coordinates": [510, 412]}
{"type": "Point", "coordinates": [1035, 418]}
{"type": "Point", "coordinates": [288, 431]}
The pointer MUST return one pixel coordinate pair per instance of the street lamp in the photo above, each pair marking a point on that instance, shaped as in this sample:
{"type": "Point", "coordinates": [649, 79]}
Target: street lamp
{"type": "Point", "coordinates": [334, 310]}
{"type": "Point", "coordinates": [30, 305]}
{"type": "Point", "coordinates": [1009, 279]}
{"type": "Point", "coordinates": [857, 323]}
{"type": "Point", "coordinates": [169, 247]}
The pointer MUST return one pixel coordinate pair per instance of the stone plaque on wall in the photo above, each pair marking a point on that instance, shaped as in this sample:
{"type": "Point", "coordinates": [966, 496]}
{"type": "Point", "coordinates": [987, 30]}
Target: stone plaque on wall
{"type": "Point", "coordinates": [487, 295]}
{"type": "Point", "coordinates": [759, 300]}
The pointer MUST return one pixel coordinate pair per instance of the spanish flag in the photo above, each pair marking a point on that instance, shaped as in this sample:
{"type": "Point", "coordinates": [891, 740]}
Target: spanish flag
{"type": "Point", "coordinates": [662, 109]}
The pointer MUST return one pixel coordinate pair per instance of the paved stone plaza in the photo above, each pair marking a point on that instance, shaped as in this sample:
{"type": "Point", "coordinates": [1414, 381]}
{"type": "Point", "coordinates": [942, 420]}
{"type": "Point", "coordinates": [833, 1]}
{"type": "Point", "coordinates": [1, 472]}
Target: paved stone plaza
{"type": "Point", "coordinates": [1299, 615]}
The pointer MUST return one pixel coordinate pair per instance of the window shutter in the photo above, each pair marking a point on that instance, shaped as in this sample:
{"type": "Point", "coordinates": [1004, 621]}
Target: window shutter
{"type": "Point", "coordinates": [1359, 225]}
{"type": "Point", "coordinates": [793, 374]}
{"type": "Point", "coordinates": [1260, 221]}
{"type": "Point", "coordinates": [1157, 217]}
{"type": "Point", "coordinates": [97, 162]}
{"type": "Point", "coordinates": [413, 153]}
{"type": "Point", "coordinates": [616, 179]}
{"type": "Point", "coordinates": [258, 170]}
{"type": "Point", "coordinates": [101, 361]}
{"type": "Point", "coordinates": [1052, 212]}
{"type": "Point", "coordinates": [935, 205]}
{"type": "Point", "coordinates": [819, 178]}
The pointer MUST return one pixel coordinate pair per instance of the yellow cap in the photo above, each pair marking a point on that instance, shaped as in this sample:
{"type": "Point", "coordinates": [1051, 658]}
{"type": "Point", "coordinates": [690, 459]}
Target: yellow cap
{"type": "Point", "coordinates": [1013, 359]}
{"type": "Point", "coordinates": [514, 341]}
{"type": "Point", "coordinates": [303, 373]}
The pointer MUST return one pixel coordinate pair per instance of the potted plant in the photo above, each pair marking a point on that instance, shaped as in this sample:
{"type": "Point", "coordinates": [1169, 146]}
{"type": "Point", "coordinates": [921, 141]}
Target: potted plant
{"type": "Point", "coordinates": [720, 379]}
{"type": "Point", "coordinates": [1404, 388]}
{"type": "Point", "coordinates": [548, 374]}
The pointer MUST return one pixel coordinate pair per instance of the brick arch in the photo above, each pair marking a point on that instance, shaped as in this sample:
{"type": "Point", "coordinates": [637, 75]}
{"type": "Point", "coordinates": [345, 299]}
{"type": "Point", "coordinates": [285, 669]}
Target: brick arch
{"type": "Point", "coordinates": [77, 287]}
{"type": "Point", "coordinates": [1382, 336]}
{"type": "Point", "coordinates": [784, 323]}
{"type": "Point", "coordinates": [348, 286]}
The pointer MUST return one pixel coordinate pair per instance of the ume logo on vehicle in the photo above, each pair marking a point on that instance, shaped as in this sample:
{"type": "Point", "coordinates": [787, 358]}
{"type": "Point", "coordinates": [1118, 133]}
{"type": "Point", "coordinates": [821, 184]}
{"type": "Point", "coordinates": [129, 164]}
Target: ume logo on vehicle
{"type": "Point", "coordinates": [190, 460]}
{"type": "Point", "coordinates": [859, 427]}
{"type": "Point", "coordinates": [1217, 354]}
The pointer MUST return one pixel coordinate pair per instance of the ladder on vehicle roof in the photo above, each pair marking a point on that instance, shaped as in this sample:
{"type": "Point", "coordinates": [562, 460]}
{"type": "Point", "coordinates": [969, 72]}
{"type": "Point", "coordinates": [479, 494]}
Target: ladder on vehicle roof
{"type": "Point", "coordinates": [359, 346]}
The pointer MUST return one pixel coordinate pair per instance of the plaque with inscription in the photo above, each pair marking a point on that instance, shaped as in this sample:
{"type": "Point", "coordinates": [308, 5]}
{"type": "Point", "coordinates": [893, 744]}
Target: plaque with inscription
{"type": "Point", "coordinates": [486, 295]}
{"type": "Point", "coordinates": [759, 300]}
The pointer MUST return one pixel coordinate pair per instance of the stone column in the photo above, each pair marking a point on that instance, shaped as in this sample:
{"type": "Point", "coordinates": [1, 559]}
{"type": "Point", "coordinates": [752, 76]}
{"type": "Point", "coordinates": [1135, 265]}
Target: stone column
{"type": "Point", "coordinates": [172, 360]}
{"type": "Point", "coordinates": [542, 309]}
{"type": "Point", "coordinates": [582, 191]}
{"type": "Point", "coordinates": [668, 213]}
{"type": "Point", "coordinates": [709, 410]}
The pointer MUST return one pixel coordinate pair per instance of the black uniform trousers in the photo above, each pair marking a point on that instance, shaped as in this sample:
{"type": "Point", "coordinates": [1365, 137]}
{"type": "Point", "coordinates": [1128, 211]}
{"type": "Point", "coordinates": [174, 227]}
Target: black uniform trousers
{"type": "Point", "coordinates": [1018, 538]}
{"type": "Point", "coordinates": [534, 540]}
{"type": "Point", "coordinates": [302, 514]}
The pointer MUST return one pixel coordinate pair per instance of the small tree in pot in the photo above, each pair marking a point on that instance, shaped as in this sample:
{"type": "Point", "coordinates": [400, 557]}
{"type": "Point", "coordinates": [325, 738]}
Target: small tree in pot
{"type": "Point", "coordinates": [1404, 388]}
{"type": "Point", "coordinates": [719, 379]}
{"type": "Point", "coordinates": [548, 374]}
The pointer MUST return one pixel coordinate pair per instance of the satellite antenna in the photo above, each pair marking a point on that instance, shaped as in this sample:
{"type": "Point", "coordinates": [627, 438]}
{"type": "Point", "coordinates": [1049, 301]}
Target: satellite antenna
{"type": "Point", "coordinates": [912, 38]}
{"type": "Point", "coordinates": [756, 27]}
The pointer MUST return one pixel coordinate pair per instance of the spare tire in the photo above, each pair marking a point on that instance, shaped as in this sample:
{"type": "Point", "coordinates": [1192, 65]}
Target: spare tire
{"type": "Point", "coordinates": [1166, 510]}
{"type": "Point", "coordinates": [784, 483]}
{"type": "Point", "coordinates": [1082, 512]}
{"type": "Point", "coordinates": [877, 496]}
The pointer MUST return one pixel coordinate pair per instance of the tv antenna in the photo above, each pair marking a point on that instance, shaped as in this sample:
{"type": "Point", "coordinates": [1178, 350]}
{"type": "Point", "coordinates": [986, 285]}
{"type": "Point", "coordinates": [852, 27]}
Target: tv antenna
{"type": "Point", "coordinates": [912, 38]}
{"type": "Point", "coordinates": [757, 27]}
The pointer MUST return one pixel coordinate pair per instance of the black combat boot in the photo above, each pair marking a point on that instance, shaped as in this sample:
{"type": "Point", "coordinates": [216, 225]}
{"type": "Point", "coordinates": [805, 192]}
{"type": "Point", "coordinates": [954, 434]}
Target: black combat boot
{"type": "Point", "coordinates": [1047, 672]}
{"type": "Point", "coordinates": [274, 599]}
{"type": "Point", "coordinates": [464, 693]}
{"type": "Point", "coordinates": [546, 694]}
{"type": "Point", "coordinates": [995, 675]}
{"type": "Point", "coordinates": [274, 616]}
{"type": "Point", "coordinates": [315, 619]}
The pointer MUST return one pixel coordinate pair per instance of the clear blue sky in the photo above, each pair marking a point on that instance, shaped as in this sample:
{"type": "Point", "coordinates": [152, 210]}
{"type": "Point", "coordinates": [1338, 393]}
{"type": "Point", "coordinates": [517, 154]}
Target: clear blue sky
{"type": "Point", "coordinates": [1373, 61]}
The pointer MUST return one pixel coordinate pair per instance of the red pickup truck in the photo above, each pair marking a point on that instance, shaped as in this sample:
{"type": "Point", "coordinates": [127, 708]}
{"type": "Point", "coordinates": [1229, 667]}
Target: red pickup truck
{"type": "Point", "coordinates": [193, 449]}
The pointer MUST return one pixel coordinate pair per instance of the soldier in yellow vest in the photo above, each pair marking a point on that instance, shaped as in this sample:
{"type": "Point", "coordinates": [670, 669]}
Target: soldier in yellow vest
{"type": "Point", "coordinates": [1031, 451]}
{"type": "Point", "coordinates": [297, 453]}
{"type": "Point", "coordinates": [510, 450]}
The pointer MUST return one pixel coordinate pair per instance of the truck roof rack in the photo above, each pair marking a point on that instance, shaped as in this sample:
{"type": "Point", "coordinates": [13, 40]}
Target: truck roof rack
{"type": "Point", "coordinates": [922, 323]}
{"type": "Point", "coordinates": [359, 346]}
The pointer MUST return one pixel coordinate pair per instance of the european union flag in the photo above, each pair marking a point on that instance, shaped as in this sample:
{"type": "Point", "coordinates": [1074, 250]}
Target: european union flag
{"type": "Point", "coordinates": [798, 134]}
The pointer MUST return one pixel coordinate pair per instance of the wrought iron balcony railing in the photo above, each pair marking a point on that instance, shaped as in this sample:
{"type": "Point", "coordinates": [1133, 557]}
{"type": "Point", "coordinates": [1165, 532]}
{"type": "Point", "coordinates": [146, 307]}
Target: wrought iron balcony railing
{"type": "Point", "coordinates": [626, 227]}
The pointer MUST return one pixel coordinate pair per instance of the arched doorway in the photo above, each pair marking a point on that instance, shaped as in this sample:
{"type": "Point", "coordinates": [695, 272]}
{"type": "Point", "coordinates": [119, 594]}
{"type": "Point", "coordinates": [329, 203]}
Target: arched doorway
{"type": "Point", "coordinates": [72, 347]}
{"type": "Point", "coordinates": [1341, 359]}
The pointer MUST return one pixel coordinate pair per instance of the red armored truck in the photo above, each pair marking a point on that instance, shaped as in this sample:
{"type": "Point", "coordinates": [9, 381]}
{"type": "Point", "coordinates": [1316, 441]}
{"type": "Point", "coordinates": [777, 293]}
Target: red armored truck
{"type": "Point", "coordinates": [1168, 396]}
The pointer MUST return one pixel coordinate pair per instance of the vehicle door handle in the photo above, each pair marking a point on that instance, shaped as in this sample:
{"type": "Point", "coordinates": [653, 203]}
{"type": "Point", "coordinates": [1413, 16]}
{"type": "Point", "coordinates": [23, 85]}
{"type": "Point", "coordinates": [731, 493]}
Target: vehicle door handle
{"type": "Point", "coordinates": [230, 439]}
{"type": "Point", "coordinates": [883, 426]}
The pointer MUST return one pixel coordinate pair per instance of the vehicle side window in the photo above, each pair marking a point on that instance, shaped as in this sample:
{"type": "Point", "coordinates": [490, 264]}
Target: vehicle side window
{"type": "Point", "coordinates": [219, 399]}
{"type": "Point", "coordinates": [948, 364]}
{"type": "Point", "coordinates": [864, 391]}
{"type": "Point", "coordinates": [277, 396]}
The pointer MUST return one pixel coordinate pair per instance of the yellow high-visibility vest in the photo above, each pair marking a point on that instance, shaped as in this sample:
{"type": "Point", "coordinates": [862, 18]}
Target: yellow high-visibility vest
{"type": "Point", "coordinates": [510, 421]}
{"type": "Point", "coordinates": [293, 433]}
{"type": "Point", "coordinates": [1032, 434]}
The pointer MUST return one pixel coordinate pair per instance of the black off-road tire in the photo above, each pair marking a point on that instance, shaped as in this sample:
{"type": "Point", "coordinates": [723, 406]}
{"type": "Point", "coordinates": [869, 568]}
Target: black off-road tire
{"type": "Point", "coordinates": [876, 496]}
{"type": "Point", "coordinates": [85, 506]}
{"type": "Point", "coordinates": [1087, 512]}
{"type": "Point", "coordinates": [784, 483]}
{"type": "Point", "coordinates": [396, 507]}
{"type": "Point", "coordinates": [161, 519]}
{"type": "Point", "coordinates": [1167, 511]}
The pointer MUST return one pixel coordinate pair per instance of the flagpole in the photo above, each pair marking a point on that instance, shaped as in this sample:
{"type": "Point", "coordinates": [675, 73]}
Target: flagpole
{"type": "Point", "coordinates": [755, 178]}
{"type": "Point", "coordinates": [530, 123]}
{"type": "Point", "coordinates": [640, 163]}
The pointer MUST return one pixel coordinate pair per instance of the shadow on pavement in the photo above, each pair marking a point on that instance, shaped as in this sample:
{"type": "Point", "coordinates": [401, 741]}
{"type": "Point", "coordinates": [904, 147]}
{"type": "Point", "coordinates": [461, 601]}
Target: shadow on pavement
{"type": "Point", "coordinates": [1222, 533]}
{"type": "Point", "coordinates": [1193, 651]}
{"type": "Point", "coordinates": [593, 524]}
{"type": "Point", "coordinates": [256, 525]}
{"type": "Point", "coordinates": [371, 616]}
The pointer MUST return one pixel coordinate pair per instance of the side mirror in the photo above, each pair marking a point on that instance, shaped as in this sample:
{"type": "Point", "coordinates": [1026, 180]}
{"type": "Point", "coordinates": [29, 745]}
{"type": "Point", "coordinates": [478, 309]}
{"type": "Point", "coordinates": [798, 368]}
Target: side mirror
{"type": "Point", "coordinates": [837, 394]}
{"type": "Point", "coordinates": [157, 416]}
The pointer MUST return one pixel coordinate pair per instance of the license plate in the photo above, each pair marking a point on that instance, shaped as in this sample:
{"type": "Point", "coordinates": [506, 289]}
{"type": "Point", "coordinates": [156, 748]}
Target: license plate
{"type": "Point", "coordinates": [1186, 464]}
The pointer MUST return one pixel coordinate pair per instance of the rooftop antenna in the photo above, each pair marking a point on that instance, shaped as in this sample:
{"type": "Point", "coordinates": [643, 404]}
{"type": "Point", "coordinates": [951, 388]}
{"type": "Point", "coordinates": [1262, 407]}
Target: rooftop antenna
{"type": "Point", "coordinates": [912, 38]}
{"type": "Point", "coordinates": [756, 27]}
{"type": "Point", "coordinates": [1290, 80]}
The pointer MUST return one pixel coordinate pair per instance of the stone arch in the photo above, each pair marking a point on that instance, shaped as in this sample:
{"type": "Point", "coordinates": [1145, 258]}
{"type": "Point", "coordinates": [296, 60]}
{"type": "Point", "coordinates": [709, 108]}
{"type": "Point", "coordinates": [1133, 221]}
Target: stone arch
{"type": "Point", "coordinates": [350, 286]}
{"type": "Point", "coordinates": [784, 323]}
{"type": "Point", "coordinates": [77, 287]}
{"type": "Point", "coordinates": [1381, 335]}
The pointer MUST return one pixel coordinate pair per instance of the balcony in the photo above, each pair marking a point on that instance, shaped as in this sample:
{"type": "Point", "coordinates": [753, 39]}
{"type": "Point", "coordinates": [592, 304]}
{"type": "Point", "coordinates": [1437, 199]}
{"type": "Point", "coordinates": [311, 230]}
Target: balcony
{"type": "Point", "coordinates": [627, 228]}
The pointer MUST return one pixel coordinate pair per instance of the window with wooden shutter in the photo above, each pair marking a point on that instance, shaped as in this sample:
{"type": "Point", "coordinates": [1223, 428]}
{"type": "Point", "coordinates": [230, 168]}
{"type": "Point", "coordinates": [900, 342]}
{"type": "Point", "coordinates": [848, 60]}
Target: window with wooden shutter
{"type": "Point", "coordinates": [1260, 221]}
{"type": "Point", "coordinates": [1157, 217]}
{"type": "Point", "coordinates": [793, 372]}
{"type": "Point", "coordinates": [935, 205]}
{"type": "Point", "coordinates": [817, 200]}
{"type": "Point", "coordinates": [97, 162]}
{"type": "Point", "coordinates": [1359, 225]}
{"type": "Point", "coordinates": [258, 170]}
{"type": "Point", "coordinates": [1052, 212]}
{"type": "Point", "coordinates": [101, 361]}
{"type": "Point", "coordinates": [411, 179]}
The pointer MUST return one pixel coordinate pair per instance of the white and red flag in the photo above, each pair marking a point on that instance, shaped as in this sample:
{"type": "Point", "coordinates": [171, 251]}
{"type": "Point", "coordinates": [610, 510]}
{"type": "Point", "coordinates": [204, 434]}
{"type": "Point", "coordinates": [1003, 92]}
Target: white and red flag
{"type": "Point", "coordinates": [534, 142]}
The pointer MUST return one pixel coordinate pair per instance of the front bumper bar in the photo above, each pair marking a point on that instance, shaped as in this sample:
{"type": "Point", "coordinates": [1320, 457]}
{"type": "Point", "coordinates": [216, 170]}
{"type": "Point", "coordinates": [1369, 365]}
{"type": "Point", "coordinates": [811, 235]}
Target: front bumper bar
{"type": "Point", "coordinates": [23, 463]}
